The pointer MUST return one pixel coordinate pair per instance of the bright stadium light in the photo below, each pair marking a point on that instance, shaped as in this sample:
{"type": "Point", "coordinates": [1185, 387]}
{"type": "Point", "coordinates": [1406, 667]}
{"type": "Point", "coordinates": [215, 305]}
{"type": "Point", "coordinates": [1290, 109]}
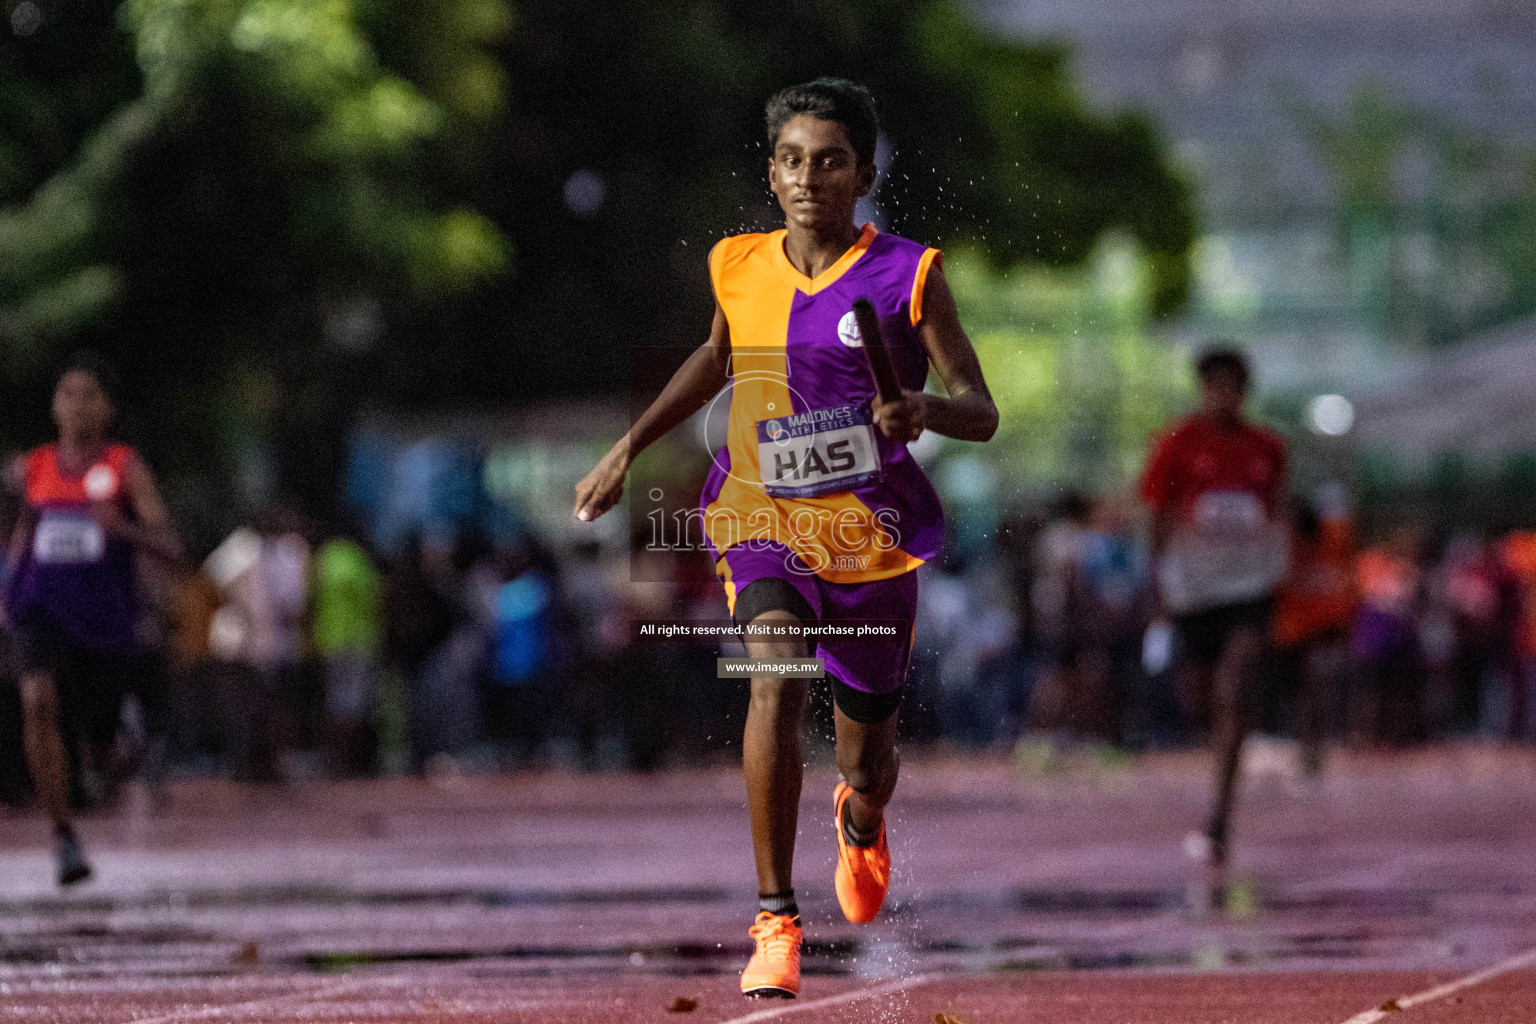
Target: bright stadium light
{"type": "Point", "coordinates": [1331, 415]}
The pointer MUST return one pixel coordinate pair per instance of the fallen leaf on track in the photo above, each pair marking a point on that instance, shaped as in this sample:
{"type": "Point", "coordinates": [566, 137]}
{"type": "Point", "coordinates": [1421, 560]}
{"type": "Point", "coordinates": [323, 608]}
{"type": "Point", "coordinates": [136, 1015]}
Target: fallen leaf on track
{"type": "Point", "coordinates": [1389, 1006]}
{"type": "Point", "coordinates": [683, 1005]}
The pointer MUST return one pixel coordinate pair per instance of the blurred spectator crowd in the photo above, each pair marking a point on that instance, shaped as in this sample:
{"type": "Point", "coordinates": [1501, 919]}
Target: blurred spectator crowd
{"type": "Point", "coordinates": [1393, 639]}
{"type": "Point", "coordinates": [295, 652]}
{"type": "Point", "coordinates": [298, 652]}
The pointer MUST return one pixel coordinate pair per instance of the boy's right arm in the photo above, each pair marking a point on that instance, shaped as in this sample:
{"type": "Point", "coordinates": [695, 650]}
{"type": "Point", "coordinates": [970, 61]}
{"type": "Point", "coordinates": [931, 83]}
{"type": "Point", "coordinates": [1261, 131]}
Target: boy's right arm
{"type": "Point", "coordinates": [14, 484]}
{"type": "Point", "coordinates": [698, 380]}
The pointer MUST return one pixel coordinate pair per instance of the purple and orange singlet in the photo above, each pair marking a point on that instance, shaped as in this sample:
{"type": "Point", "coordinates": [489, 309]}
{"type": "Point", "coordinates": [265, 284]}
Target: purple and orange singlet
{"type": "Point", "coordinates": [804, 465]}
{"type": "Point", "coordinates": [71, 573]}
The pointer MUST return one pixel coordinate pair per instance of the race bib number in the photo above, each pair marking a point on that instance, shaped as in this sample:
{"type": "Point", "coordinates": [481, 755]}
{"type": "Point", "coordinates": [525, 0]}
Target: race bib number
{"type": "Point", "coordinates": [817, 452]}
{"type": "Point", "coordinates": [68, 540]}
{"type": "Point", "coordinates": [1229, 512]}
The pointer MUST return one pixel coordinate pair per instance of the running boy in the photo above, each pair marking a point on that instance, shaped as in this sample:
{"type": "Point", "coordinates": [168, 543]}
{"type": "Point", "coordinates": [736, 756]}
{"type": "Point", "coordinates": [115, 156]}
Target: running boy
{"type": "Point", "coordinates": [815, 509]}
{"type": "Point", "coordinates": [1216, 484]}
{"type": "Point", "coordinates": [89, 506]}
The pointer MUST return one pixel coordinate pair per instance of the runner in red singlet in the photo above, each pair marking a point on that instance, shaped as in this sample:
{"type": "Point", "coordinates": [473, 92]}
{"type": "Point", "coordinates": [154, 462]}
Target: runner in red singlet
{"type": "Point", "coordinates": [1215, 484]}
{"type": "Point", "coordinates": [89, 507]}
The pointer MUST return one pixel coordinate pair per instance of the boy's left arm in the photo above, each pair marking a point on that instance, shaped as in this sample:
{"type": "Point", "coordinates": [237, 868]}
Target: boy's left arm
{"type": "Point", "coordinates": [151, 531]}
{"type": "Point", "coordinates": [967, 412]}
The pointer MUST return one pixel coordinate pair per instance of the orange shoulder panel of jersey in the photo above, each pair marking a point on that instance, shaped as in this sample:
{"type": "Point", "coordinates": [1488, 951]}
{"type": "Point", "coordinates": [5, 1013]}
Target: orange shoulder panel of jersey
{"type": "Point", "coordinates": [754, 297]}
{"type": "Point", "coordinates": [44, 481]}
{"type": "Point", "coordinates": [756, 301]}
{"type": "Point", "coordinates": [37, 466]}
{"type": "Point", "coordinates": [930, 259]}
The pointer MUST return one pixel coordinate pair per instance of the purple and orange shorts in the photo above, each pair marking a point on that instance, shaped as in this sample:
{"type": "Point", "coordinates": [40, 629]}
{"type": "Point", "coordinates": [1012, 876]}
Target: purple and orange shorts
{"type": "Point", "coordinates": [869, 668]}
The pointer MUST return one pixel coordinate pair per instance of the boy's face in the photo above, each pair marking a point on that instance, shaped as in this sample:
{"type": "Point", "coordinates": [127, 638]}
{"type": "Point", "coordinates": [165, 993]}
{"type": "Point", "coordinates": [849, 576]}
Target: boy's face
{"type": "Point", "coordinates": [81, 407]}
{"type": "Point", "coordinates": [1222, 394]}
{"type": "Point", "coordinates": [816, 176]}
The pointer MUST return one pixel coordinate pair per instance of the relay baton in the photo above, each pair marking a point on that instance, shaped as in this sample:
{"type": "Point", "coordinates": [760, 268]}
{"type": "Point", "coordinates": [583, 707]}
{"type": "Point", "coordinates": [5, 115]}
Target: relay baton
{"type": "Point", "coordinates": [874, 350]}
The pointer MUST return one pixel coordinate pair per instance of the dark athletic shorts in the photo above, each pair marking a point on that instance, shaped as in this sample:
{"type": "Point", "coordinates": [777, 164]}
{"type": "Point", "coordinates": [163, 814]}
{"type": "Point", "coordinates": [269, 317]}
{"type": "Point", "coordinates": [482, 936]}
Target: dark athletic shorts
{"type": "Point", "coordinates": [1204, 634]}
{"type": "Point", "coordinates": [90, 683]}
{"type": "Point", "coordinates": [868, 676]}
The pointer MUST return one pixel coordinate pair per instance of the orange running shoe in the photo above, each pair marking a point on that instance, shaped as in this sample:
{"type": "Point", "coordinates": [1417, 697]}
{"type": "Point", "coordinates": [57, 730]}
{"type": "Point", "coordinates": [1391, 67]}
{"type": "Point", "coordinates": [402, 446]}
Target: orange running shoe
{"type": "Point", "coordinates": [774, 970]}
{"type": "Point", "coordinates": [863, 872]}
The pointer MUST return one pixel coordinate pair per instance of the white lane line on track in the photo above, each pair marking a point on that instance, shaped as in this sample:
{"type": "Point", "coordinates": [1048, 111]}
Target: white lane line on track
{"type": "Point", "coordinates": [315, 993]}
{"type": "Point", "coordinates": [1429, 995]}
{"type": "Point", "coordinates": [318, 992]}
{"type": "Point", "coordinates": [889, 988]}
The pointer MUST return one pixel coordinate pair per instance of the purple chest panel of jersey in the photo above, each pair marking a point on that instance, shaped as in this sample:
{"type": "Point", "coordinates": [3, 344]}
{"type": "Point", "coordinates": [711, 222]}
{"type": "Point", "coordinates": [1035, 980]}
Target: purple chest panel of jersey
{"type": "Point", "coordinates": [827, 367]}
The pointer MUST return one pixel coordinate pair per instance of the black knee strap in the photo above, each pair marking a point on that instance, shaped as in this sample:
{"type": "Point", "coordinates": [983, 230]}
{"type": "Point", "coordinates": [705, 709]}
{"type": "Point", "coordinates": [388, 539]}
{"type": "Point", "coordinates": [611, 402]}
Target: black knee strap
{"type": "Point", "coordinates": [865, 708]}
{"type": "Point", "coordinates": [771, 594]}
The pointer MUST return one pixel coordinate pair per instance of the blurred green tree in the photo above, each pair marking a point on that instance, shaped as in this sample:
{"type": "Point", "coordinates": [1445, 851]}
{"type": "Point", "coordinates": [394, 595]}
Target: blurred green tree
{"type": "Point", "coordinates": [272, 210]}
{"type": "Point", "coordinates": [662, 105]}
{"type": "Point", "coordinates": [287, 89]}
{"type": "Point", "coordinates": [265, 175]}
{"type": "Point", "coordinates": [1079, 380]}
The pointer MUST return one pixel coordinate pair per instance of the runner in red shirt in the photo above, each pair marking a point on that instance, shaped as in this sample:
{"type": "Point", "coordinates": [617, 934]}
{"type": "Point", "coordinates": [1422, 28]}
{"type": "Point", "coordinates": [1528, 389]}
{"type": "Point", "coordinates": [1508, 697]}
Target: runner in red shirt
{"type": "Point", "coordinates": [90, 507]}
{"type": "Point", "coordinates": [1215, 484]}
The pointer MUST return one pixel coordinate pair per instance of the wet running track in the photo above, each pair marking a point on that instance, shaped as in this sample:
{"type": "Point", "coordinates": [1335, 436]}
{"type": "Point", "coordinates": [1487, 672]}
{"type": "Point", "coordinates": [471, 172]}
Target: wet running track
{"type": "Point", "coordinates": [1399, 888]}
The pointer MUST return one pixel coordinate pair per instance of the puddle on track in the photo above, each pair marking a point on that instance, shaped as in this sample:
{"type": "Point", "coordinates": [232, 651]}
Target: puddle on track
{"type": "Point", "coordinates": [1021, 929]}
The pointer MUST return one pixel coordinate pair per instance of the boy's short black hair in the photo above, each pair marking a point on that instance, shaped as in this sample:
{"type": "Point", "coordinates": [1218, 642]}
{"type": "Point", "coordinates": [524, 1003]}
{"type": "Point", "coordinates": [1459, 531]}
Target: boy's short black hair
{"type": "Point", "coordinates": [828, 99]}
{"type": "Point", "coordinates": [1223, 358]}
{"type": "Point", "coordinates": [97, 365]}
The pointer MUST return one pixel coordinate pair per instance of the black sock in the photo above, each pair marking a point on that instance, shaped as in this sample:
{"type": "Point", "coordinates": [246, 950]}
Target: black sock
{"type": "Point", "coordinates": [853, 835]}
{"type": "Point", "coordinates": [779, 903]}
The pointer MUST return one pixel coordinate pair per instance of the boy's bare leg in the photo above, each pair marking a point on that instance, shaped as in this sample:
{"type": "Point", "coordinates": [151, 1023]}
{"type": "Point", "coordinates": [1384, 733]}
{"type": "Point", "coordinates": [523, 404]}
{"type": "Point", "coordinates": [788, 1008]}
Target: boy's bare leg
{"type": "Point", "coordinates": [868, 762]}
{"type": "Point", "coordinates": [772, 761]}
{"type": "Point", "coordinates": [1231, 720]}
{"type": "Point", "coordinates": [45, 747]}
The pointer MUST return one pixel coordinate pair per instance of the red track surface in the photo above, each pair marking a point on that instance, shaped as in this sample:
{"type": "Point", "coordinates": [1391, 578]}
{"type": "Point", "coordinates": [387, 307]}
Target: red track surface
{"type": "Point", "coordinates": [605, 898]}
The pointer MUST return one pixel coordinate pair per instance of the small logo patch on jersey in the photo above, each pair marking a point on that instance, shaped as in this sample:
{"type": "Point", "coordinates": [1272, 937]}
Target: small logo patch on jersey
{"type": "Point", "coordinates": [101, 482]}
{"type": "Point", "coordinates": [848, 330]}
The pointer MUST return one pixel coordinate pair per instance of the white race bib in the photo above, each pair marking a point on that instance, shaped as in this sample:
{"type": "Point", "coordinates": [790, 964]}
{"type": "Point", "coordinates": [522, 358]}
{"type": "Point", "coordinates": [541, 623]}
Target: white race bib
{"type": "Point", "coordinates": [817, 452]}
{"type": "Point", "coordinates": [68, 540]}
{"type": "Point", "coordinates": [1227, 552]}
